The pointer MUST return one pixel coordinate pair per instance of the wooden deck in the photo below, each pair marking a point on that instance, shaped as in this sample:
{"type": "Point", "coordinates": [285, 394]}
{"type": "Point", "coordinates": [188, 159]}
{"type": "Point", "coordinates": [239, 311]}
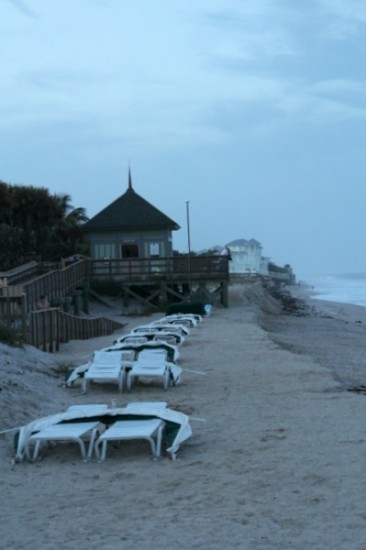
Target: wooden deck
{"type": "Point", "coordinates": [154, 283]}
{"type": "Point", "coordinates": [181, 268]}
{"type": "Point", "coordinates": [177, 275]}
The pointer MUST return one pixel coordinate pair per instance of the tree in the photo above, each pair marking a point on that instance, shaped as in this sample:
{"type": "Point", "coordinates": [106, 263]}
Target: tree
{"type": "Point", "coordinates": [68, 234]}
{"type": "Point", "coordinates": [277, 269]}
{"type": "Point", "coordinates": [36, 224]}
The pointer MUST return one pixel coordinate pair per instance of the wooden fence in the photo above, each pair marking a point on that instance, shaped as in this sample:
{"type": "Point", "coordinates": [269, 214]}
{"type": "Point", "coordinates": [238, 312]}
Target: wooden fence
{"type": "Point", "coordinates": [13, 312]}
{"type": "Point", "coordinates": [48, 328]}
{"type": "Point", "coordinates": [51, 327]}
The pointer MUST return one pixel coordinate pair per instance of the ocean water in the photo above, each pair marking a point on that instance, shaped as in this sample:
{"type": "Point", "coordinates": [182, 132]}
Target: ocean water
{"type": "Point", "coordinates": [346, 289]}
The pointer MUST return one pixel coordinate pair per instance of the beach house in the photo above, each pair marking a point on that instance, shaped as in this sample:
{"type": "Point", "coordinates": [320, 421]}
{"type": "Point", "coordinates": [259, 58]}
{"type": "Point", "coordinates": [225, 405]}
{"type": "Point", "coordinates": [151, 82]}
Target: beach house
{"type": "Point", "coordinates": [247, 257]}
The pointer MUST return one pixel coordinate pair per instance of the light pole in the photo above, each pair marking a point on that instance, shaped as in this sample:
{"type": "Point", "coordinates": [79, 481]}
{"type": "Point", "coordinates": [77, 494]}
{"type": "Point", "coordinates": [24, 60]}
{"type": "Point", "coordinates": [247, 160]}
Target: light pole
{"type": "Point", "coordinates": [189, 251]}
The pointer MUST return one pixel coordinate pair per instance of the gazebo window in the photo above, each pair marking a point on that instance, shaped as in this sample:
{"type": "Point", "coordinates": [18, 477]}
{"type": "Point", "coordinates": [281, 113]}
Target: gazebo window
{"type": "Point", "coordinates": [103, 251]}
{"type": "Point", "coordinates": [154, 249]}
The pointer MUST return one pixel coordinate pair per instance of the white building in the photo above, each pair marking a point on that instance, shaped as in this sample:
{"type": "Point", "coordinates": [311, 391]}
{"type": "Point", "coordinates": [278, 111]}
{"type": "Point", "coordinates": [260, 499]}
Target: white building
{"type": "Point", "coordinates": [247, 257]}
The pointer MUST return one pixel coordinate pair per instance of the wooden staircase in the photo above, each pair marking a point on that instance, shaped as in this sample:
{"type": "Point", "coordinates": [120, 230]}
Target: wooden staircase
{"type": "Point", "coordinates": [23, 289]}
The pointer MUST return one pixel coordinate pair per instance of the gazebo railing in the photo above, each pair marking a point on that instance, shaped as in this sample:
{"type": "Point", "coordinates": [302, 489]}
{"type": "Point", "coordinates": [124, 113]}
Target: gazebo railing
{"type": "Point", "coordinates": [210, 267]}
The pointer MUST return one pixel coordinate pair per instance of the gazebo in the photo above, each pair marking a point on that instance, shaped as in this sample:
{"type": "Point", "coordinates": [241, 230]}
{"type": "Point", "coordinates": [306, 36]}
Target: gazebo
{"type": "Point", "coordinates": [131, 251]}
{"type": "Point", "coordinates": [130, 227]}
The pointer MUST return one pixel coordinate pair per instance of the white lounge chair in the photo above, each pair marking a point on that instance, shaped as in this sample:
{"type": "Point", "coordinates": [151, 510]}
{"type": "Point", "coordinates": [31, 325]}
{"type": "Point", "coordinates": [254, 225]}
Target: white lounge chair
{"type": "Point", "coordinates": [177, 426]}
{"type": "Point", "coordinates": [143, 406]}
{"type": "Point", "coordinates": [143, 329]}
{"type": "Point", "coordinates": [106, 366]}
{"type": "Point", "coordinates": [169, 336]}
{"type": "Point", "coordinates": [149, 364]}
{"type": "Point", "coordinates": [186, 320]}
{"type": "Point", "coordinates": [132, 429]}
{"type": "Point", "coordinates": [177, 327]}
{"type": "Point", "coordinates": [150, 332]}
{"type": "Point", "coordinates": [153, 365]}
{"type": "Point", "coordinates": [87, 408]}
{"type": "Point", "coordinates": [135, 339]}
{"type": "Point", "coordinates": [71, 431]}
{"type": "Point", "coordinates": [171, 349]}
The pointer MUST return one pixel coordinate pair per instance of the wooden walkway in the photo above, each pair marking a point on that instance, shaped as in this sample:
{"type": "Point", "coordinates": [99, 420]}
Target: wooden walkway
{"type": "Point", "coordinates": [154, 283]}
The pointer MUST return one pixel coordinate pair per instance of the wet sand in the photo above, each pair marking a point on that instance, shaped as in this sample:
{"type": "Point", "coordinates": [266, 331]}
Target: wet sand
{"type": "Point", "coordinates": [331, 333]}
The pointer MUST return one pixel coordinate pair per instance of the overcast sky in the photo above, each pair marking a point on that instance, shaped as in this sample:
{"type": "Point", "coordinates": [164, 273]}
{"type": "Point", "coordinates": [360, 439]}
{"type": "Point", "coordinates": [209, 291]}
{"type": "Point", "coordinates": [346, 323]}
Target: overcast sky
{"type": "Point", "coordinates": [253, 110]}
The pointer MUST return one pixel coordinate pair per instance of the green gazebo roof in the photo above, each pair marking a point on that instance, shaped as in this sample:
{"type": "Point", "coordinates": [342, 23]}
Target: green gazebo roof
{"type": "Point", "coordinates": [130, 212]}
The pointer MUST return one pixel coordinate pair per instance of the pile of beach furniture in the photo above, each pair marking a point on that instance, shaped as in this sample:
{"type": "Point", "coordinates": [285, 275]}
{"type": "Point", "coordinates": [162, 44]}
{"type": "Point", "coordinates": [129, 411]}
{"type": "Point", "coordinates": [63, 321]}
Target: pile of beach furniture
{"type": "Point", "coordinates": [149, 353]}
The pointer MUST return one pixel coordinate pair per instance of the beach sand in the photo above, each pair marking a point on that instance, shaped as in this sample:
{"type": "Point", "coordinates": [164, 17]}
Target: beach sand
{"type": "Point", "coordinates": [277, 460]}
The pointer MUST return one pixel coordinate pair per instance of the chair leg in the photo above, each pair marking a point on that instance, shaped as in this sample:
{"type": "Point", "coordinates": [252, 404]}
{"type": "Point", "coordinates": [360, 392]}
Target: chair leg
{"type": "Point", "coordinates": [94, 435]}
{"type": "Point", "coordinates": [123, 380]}
{"type": "Point", "coordinates": [159, 438]}
{"type": "Point", "coordinates": [129, 381]}
{"type": "Point", "coordinates": [153, 446]}
{"type": "Point", "coordinates": [103, 454]}
{"type": "Point", "coordinates": [166, 380]}
{"type": "Point", "coordinates": [36, 450]}
{"type": "Point", "coordinates": [82, 448]}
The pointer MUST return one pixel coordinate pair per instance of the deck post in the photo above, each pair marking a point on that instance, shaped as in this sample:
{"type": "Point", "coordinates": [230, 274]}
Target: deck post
{"type": "Point", "coordinates": [163, 295]}
{"type": "Point", "coordinates": [125, 297]}
{"type": "Point", "coordinates": [225, 294]}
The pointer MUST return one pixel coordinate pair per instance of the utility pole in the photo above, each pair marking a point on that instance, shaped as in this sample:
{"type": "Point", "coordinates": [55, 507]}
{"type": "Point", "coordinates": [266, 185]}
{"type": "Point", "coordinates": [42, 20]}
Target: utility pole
{"type": "Point", "coordinates": [189, 251]}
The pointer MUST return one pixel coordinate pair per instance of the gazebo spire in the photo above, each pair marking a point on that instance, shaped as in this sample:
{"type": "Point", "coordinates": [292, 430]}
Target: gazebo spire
{"type": "Point", "coordinates": [129, 178]}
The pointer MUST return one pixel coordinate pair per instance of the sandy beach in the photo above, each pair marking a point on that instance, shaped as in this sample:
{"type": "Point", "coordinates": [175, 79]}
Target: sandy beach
{"type": "Point", "coordinates": [277, 456]}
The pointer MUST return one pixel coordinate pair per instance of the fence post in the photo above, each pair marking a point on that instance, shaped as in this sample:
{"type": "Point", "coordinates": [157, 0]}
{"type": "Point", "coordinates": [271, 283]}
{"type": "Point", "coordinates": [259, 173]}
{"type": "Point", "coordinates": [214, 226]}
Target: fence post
{"type": "Point", "coordinates": [51, 327]}
{"type": "Point", "coordinates": [23, 302]}
{"type": "Point", "coordinates": [57, 326]}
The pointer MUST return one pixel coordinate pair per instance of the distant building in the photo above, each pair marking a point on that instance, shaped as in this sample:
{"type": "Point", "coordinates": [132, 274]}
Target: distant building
{"type": "Point", "coordinates": [247, 257]}
{"type": "Point", "coordinates": [130, 227]}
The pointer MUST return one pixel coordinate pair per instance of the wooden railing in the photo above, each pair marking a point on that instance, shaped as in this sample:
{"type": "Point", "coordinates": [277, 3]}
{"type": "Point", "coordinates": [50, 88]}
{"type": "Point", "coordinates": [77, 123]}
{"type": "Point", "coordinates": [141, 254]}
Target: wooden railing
{"type": "Point", "coordinates": [59, 282]}
{"type": "Point", "coordinates": [55, 284]}
{"type": "Point", "coordinates": [47, 329]}
{"type": "Point", "coordinates": [51, 327]}
{"type": "Point", "coordinates": [18, 274]}
{"type": "Point", "coordinates": [196, 267]}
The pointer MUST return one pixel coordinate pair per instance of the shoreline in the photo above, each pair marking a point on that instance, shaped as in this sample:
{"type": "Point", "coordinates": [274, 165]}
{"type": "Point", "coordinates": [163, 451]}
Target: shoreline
{"type": "Point", "coordinates": [331, 333]}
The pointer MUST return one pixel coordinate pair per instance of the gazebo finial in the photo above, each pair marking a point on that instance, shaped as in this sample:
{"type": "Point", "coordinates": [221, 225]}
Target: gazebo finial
{"type": "Point", "coordinates": [129, 178]}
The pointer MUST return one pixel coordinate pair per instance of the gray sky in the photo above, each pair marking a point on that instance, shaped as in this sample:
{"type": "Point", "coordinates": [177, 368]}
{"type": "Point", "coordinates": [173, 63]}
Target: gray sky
{"type": "Point", "coordinates": [254, 110]}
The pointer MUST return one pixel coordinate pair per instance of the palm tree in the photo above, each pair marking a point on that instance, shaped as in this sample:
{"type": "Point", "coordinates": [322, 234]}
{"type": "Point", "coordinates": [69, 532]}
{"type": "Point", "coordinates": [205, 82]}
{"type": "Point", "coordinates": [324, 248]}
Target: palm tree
{"type": "Point", "coordinates": [35, 223]}
{"type": "Point", "coordinates": [67, 230]}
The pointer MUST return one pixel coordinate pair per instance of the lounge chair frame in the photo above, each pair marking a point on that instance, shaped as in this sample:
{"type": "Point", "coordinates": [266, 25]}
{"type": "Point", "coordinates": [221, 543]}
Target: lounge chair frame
{"type": "Point", "coordinates": [71, 431]}
{"type": "Point", "coordinates": [126, 430]}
